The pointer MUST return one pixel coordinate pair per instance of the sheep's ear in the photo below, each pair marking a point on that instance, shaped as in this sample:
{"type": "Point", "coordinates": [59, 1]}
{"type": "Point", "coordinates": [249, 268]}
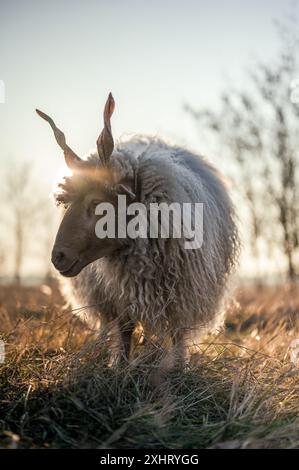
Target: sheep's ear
{"type": "Point", "coordinates": [124, 189]}
{"type": "Point", "coordinates": [105, 143]}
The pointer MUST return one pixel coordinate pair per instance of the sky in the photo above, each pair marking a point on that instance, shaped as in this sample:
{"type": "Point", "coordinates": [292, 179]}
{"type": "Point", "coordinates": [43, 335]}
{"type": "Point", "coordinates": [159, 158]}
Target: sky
{"type": "Point", "coordinates": [65, 56]}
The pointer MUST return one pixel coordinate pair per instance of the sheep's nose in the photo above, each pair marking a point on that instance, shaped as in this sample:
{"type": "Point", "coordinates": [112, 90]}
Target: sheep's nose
{"type": "Point", "coordinates": [59, 259]}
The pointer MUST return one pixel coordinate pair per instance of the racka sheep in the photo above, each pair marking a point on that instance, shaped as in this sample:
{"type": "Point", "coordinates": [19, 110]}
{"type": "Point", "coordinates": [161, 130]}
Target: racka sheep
{"type": "Point", "coordinates": [156, 282]}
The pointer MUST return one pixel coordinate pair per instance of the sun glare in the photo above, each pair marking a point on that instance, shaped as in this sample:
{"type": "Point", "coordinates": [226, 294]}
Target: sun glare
{"type": "Point", "coordinates": [62, 172]}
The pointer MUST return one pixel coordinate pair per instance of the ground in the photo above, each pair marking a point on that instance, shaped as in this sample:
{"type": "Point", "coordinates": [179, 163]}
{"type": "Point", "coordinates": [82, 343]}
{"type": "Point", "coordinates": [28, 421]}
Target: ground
{"type": "Point", "coordinates": [240, 391]}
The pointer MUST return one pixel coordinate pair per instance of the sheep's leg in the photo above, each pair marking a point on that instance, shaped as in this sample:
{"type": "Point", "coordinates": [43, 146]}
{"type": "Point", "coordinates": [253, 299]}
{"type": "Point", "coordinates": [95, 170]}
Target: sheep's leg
{"type": "Point", "coordinates": [181, 350]}
{"type": "Point", "coordinates": [176, 359]}
{"type": "Point", "coordinates": [126, 332]}
{"type": "Point", "coordinates": [109, 338]}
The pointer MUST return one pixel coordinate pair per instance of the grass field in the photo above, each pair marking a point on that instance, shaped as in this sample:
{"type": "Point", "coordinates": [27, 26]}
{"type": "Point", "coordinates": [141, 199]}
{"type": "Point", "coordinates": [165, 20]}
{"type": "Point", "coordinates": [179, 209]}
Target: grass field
{"type": "Point", "coordinates": [240, 391]}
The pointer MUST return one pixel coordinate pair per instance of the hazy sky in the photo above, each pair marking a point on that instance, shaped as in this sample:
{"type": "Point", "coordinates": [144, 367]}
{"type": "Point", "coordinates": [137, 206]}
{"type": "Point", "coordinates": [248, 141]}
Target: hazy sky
{"type": "Point", "coordinates": [65, 56]}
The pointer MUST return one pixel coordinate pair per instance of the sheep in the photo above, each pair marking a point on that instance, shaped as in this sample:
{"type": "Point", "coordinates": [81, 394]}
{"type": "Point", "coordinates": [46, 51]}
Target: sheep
{"type": "Point", "coordinates": [155, 282]}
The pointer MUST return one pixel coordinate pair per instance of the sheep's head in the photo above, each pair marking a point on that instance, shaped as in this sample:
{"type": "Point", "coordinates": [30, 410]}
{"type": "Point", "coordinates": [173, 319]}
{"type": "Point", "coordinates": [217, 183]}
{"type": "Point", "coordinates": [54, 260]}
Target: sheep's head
{"type": "Point", "coordinates": [91, 183]}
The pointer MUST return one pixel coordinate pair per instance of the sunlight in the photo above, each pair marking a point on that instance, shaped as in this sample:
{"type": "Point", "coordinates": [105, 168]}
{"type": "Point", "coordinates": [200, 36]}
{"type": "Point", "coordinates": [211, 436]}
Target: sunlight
{"type": "Point", "coordinates": [63, 172]}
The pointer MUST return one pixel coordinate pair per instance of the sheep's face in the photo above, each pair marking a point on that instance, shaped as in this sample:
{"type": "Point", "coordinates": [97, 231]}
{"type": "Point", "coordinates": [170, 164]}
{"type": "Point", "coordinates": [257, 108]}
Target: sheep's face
{"type": "Point", "coordinates": [76, 243]}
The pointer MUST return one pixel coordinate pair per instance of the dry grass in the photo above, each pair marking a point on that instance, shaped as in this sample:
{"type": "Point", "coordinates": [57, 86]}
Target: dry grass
{"type": "Point", "coordinates": [241, 390]}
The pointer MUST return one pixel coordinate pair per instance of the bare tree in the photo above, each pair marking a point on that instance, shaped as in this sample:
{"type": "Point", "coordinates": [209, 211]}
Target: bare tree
{"type": "Point", "coordinates": [22, 210]}
{"type": "Point", "coordinates": [47, 240]}
{"type": "Point", "coordinates": [258, 127]}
